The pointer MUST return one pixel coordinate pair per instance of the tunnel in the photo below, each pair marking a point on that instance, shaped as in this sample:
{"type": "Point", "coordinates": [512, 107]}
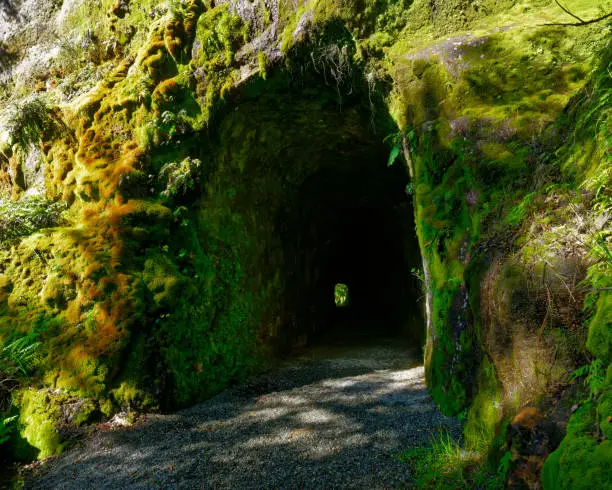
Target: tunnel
{"type": "Point", "coordinates": [353, 225]}
{"type": "Point", "coordinates": [308, 171]}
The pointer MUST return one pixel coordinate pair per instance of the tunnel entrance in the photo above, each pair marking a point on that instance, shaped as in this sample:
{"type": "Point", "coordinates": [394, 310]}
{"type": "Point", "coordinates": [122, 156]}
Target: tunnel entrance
{"type": "Point", "coordinates": [352, 223]}
{"type": "Point", "coordinates": [307, 173]}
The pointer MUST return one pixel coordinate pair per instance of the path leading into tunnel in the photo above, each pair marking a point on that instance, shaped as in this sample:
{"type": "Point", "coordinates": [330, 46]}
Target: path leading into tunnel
{"type": "Point", "coordinates": [333, 416]}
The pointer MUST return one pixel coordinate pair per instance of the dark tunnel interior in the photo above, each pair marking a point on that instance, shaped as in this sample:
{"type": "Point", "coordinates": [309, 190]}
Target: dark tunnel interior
{"type": "Point", "coordinates": [352, 223]}
{"type": "Point", "coordinates": [318, 168]}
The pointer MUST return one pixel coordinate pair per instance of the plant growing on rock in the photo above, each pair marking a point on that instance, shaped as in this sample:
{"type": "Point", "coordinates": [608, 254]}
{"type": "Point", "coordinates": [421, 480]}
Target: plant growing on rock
{"type": "Point", "coordinates": [17, 360]}
{"type": "Point", "coordinates": [180, 178]}
{"type": "Point", "coordinates": [26, 216]}
{"type": "Point", "coordinates": [30, 121]}
{"type": "Point", "coordinates": [27, 120]}
{"type": "Point", "coordinates": [594, 376]}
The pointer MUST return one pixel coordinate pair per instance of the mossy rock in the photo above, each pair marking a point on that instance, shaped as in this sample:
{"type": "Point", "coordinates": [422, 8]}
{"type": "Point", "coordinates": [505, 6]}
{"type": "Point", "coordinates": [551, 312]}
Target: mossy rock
{"type": "Point", "coordinates": [45, 417]}
{"type": "Point", "coordinates": [581, 461]}
{"type": "Point", "coordinates": [599, 341]}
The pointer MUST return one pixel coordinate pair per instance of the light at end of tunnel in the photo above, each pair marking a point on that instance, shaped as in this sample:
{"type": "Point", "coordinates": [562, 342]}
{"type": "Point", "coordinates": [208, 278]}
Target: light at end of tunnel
{"type": "Point", "coordinates": [341, 295]}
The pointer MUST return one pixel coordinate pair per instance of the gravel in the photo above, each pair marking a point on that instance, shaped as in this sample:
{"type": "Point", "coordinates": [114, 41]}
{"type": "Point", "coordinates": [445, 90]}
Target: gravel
{"type": "Point", "coordinates": [331, 417]}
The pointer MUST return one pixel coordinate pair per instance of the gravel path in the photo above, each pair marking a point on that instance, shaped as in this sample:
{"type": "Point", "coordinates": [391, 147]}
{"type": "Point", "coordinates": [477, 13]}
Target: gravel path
{"type": "Point", "coordinates": [332, 417]}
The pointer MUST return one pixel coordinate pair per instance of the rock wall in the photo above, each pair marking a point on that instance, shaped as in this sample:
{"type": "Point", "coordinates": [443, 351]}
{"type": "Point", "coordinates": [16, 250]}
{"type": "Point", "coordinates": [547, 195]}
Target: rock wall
{"type": "Point", "coordinates": [143, 123]}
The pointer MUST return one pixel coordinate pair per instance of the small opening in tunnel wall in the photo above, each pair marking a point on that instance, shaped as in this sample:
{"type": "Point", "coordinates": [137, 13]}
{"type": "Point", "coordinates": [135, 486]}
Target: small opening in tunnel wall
{"type": "Point", "coordinates": [341, 295]}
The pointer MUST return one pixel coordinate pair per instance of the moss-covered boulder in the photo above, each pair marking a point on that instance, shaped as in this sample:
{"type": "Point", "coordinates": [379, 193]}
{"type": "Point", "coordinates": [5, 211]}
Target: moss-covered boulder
{"type": "Point", "coordinates": [47, 421]}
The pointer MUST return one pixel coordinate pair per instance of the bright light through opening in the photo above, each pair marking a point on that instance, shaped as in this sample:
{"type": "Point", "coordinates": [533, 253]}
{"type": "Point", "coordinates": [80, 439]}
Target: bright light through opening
{"type": "Point", "coordinates": [341, 295]}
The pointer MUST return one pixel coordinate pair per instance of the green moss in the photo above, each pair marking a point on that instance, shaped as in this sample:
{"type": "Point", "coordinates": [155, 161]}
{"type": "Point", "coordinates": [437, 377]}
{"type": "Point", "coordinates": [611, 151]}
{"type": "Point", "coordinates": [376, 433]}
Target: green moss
{"type": "Point", "coordinates": [599, 341]}
{"type": "Point", "coordinates": [130, 396]}
{"type": "Point", "coordinates": [262, 62]}
{"type": "Point", "coordinates": [40, 413]}
{"type": "Point", "coordinates": [38, 421]}
{"type": "Point", "coordinates": [604, 406]}
{"type": "Point", "coordinates": [135, 297]}
{"type": "Point", "coordinates": [581, 461]}
{"type": "Point", "coordinates": [485, 413]}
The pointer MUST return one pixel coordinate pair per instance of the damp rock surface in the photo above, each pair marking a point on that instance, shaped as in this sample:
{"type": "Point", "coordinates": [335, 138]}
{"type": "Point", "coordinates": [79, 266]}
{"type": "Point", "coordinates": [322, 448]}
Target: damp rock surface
{"type": "Point", "coordinates": [332, 416]}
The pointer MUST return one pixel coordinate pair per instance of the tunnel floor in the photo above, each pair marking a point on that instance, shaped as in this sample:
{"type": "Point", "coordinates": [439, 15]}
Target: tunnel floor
{"type": "Point", "coordinates": [331, 416]}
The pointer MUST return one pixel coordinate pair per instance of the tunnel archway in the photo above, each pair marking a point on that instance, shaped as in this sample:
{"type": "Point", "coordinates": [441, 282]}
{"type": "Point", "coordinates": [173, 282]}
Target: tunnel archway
{"type": "Point", "coordinates": [353, 225]}
{"type": "Point", "coordinates": [308, 175]}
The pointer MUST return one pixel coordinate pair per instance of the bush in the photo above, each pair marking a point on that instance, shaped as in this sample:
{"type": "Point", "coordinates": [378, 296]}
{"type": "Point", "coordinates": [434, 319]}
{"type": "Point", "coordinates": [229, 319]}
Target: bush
{"type": "Point", "coordinates": [24, 217]}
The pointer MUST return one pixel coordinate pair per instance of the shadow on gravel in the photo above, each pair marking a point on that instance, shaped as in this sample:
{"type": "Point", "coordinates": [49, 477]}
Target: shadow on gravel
{"type": "Point", "coordinates": [318, 423]}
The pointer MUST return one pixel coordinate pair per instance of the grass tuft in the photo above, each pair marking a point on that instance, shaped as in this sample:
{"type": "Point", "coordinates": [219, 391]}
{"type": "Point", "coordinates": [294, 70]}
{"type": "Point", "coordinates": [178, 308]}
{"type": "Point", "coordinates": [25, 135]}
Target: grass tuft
{"type": "Point", "coordinates": [448, 464]}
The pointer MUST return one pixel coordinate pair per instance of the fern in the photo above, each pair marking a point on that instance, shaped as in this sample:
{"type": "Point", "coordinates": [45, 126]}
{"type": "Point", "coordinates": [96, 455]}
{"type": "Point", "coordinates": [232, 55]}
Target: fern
{"type": "Point", "coordinates": [397, 139]}
{"type": "Point", "coordinates": [595, 376]}
{"type": "Point", "coordinates": [6, 427]}
{"type": "Point", "coordinates": [28, 121]}
{"type": "Point", "coordinates": [26, 216]}
{"type": "Point", "coordinates": [17, 360]}
{"type": "Point", "coordinates": [180, 178]}
{"type": "Point", "coordinates": [20, 356]}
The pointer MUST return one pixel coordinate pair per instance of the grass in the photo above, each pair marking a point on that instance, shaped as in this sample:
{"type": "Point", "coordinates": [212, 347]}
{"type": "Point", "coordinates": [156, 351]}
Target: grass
{"type": "Point", "coordinates": [447, 464]}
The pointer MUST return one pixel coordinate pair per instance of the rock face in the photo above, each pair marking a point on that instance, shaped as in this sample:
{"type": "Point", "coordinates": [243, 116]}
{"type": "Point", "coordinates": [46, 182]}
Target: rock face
{"type": "Point", "coordinates": [223, 167]}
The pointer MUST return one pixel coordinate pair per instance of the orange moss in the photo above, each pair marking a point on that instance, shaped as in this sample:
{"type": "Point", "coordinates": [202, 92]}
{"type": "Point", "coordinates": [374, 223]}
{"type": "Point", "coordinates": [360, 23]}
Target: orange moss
{"type": "Point", "coordinates": [190, 17]}
{"type": "Point", "coordinates": [165, 91]}
{"type": "Point", "coordinates": [157, 63]}
{"type": "Point", "coordinates": [174, 34]}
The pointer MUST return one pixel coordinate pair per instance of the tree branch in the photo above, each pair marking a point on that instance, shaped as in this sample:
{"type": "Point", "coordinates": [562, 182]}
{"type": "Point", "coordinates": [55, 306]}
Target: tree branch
{"type": "Point", "coordinates": [575, 24]}
{"type": "Point", "coordinates": [568, 12]}
{"type": "Point", "coordinates": [578, 24]}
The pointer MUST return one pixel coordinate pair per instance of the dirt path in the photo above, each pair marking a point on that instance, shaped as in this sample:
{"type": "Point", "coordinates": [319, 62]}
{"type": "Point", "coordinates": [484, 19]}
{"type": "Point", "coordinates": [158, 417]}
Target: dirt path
{"type": "Point", "coordinates": [331, 417]}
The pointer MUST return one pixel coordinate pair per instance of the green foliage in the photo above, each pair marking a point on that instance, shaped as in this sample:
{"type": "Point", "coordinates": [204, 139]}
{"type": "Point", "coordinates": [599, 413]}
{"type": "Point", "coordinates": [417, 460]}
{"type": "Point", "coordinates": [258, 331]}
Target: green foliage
{"type": "Point", "coordinates": [504, 465]}
{"type": "Point", "coordinates": [419, 274]}
{"type": "Point", "coordinates": [594, 374]}
{"type": "Point", "coordinates": [19, 357]}
{"type": "Point", "coordinates": [26, 216]}
{"type": "Point", "coordinates": [397, 140]}
{"type": "Point", "coordinates": [28, 121]}
{"type": "Point", "coordinates": [446, 464]}
{"type": "Point", "coordinates": [17, 360]}
{"type": "Point", "coordinates": [6, 427]}
{"type": "Point", "coordinates": [341, 295]}
{"type": "Point", "coordinates": [518, 213]}
{"type": "Point", "coordinates": [180, 178]}
{"type": "Point", "coordinates": [395, 152]}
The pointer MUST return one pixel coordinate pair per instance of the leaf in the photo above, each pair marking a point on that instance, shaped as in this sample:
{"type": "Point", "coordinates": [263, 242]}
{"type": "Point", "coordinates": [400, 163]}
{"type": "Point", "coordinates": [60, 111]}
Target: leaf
{"type": "Point", "coordinates": [393, 155]}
